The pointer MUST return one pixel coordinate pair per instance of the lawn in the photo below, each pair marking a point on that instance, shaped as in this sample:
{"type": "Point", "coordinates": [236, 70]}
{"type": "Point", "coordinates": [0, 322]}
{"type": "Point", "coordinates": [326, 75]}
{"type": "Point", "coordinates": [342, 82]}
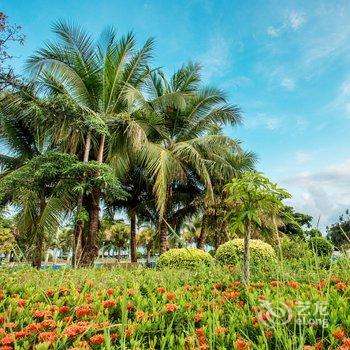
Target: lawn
{"type": "Point", "coordinates": [293, 307]}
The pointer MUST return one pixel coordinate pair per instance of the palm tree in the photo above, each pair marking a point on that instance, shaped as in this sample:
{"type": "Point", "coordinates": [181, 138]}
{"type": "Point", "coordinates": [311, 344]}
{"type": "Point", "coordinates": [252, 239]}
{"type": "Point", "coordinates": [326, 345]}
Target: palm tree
{"type": "Point", "coordinates": [96, 77]}
{"type": "Point", "coordinates": [190, 142]}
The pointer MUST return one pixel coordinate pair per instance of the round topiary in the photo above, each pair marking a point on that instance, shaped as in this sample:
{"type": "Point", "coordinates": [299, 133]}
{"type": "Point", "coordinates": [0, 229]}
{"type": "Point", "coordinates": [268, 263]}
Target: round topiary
{"type": "Point", "coordinates": [321, 246]}
{"type": "Point", "coordinates": [231, 252]}
{"type": "Point", "coordinates": [184, 258]}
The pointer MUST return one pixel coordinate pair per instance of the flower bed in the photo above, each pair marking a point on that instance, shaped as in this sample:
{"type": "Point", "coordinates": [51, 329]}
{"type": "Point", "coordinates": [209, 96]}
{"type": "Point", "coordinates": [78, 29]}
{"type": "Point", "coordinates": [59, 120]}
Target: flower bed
{"type": "Point", "coordinates": [146, 309]}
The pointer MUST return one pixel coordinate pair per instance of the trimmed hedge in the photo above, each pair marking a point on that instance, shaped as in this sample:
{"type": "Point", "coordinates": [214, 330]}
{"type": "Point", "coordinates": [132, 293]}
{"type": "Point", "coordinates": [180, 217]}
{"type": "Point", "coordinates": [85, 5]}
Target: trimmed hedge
{"type": "Point", "coordinates": [231, 252]}
{"type": "Point", "coordinates": [184, 258]}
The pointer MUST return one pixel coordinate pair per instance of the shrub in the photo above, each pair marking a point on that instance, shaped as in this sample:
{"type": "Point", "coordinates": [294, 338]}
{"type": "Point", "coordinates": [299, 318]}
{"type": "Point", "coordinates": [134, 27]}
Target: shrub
{"type": "Point", "coordinates": [184, 258]}
{"type": "Point", "coordinates": [321, 246]}
{"type": "Point", "coordinates": [294, 248]}
{"type": "Point", "coordinates": [231, 252]}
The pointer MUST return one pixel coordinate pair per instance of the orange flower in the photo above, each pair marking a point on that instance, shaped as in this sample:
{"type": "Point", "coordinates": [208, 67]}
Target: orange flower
{"type": "Point", "coordinates": [20, 334]}
{"type": "Point", "coordinates": [341, 286]}
{"type": "Point", "coordinates": [198, 317]}
{"type": "Point", "coordinates": [2, 295]}
{"type": "Point", "coordinates": [33, 328]}
{"type": "Point", "coordinates": [170, 296]}
{"type": "Point", "coordinates": [268, 334]}
{"type": "Point", "coordinates": [275, 283]}
{"type": "Point", "coordinates": [220, 330]}
{"type": "Point", "coordinates": [82, 311]}
{"type": "Point", "coordinates": [200, 332]}
{"type": "Point", "coordinates": [47, 337]}
{"type": "Point", "coordinates": [170, 307]}
{"type": "Point", "coordinates": [22, 302]}
{"type": "Point", "coordinates": [241, 344]}
{"type": "Point", "coordinates": [48, 324]}
{"type": "Point", "coordinates": [293, 284]}
{"type": "Point", "coordinates": [2, 319]}
{"type": "Point", "coordinates": [187, 287]}
{"type": "Point", "coordinates": [108, 304]}
{"type": "Point", "coordinates": [140, 315]}
{"type": "Point", "coordinates": [131, 292]}
{"type": "Point", "coordinates": [74, 330]}
{"type": "Point", "coordinates": [50, 292]}
{"type": "Point", "coordinates": [129, 332]}
{"type": "Point", "coordinates": [240, 304]}
{"type": "Point", "coordinates": [161, 290]}
{"type": "Point", "coordinates": [7, 340]}
{"type": "Point", "coordinates": [42, 314]}
{"type": "Point", "coordinates": [129, 306]}
{"type": "Point", "coordinates": [97, 339]}
{"type": "Point", "coordinates": [339, 334]}
{"type": "Point", "coordinates": [63, 309]}
{"type": "Point", "coordinates": [110, 291]}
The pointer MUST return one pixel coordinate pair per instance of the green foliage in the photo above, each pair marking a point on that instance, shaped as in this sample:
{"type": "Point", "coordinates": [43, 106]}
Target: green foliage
{"type": "Point", "coordinates": [231, 252]}
{"type": "Point", "coordinates": [339, 232]}
{"type": "Point", "coordinates": [321, 246]}
{"type": "Point", "coordinates": [295, 223]}
{"type": "Point", "coordinates": [254, 201]}
{"type": "Point", "coordinates": [187, 258]}
{"type": "Point", "coordinates": [293, 248]}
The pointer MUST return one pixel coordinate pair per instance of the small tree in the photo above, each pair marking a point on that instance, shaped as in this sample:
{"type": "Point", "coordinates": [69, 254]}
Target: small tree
{"type": "Point", "coordinates": [253, 199]}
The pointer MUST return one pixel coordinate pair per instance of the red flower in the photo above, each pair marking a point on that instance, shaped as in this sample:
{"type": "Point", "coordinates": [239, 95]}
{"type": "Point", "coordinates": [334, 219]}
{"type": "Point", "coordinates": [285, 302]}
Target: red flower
{"type": "Point", "coordinates": [97, 339]}
{"type": "Point", "coordinates": [240, 304]}
{"type": "Point", "coordinates": [2, 319]}
{"type": "Point", "coordinates": [170, 296]}
{"type": "Point", "coordinates": [47, 337]}
{"type": "Point", "coordinates": [129, 332]}
{"type": "Point", "coordinates": [161, 290]}
{"type": "Point", "coordinates": [50, 292]}
{"type": "Point", "coordinates": [129, 306]}
{"type": "Point", "coordinates": [33, 328]}
{"type": "Point", "coordinates": [82, 311]}
{"type": "Point", "coordinates": [200, 332]}
{"type": "Point", "coordinates": [74, 330]}
{"type": "Point", "coordinates": [241, 344]}
{"type": "Point", "coordinates": [293, 284]}
{"type": "Point", "coordinates": [2, 295]}
{"type": "Point", "coordinates": [268, 334]}
{"type": "Point", "coordinates": [21, 302]}
{"type": "Point", "coordinates": [170, 307]}
{"type": "Point", "coordinates": [7, 340]}
{"type": "Point", "coordinates": [198, 317]}
{"type": "Point", "coordinates": [48, 324]}
{"type": "Point", "coordinates": [42, 314]}
{"type": "Point", "coordinates": [107, 304]}
{"type": "Point", "coordinates": [63, 309]}
{"type": "Point", "coordinates": [110, 291]}
{"type": "Point", "coordinates": [346, 342]}
{"type": "Point", "coordinates": [20, 334]}
{"type": "Point", "coordinates": [275, 283]}
{"type": "Point", "coordinates": [341, 286]}
{"type": "Point", "coordinates": [339, 334]}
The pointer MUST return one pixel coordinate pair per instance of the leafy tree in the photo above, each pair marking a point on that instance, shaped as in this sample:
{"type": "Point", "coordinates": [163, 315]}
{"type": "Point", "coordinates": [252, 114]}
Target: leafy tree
{"type": "Point", "coordinates": [190, 141]}
{"type": "Point", "coordinates": [96, 79]}
{"type": "Point", "coordinates": [339, 232]}
{"type": "Point", "coordinates": [295, 224]}
{"type": "Point", "coordinates": [148, 238]}
{"type": "Point", "coordinates": [9, 33]}
{"type": "Point", "coordinates": [251, 198]}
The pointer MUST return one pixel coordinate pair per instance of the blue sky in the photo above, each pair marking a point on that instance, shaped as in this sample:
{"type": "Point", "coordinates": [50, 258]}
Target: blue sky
{"type": "Point", "coordinates": [286, 63]}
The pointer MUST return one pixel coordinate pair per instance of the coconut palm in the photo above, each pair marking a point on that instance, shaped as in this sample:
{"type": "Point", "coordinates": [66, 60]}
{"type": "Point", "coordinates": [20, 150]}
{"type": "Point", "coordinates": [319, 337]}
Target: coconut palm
{"type": "Point", "coordinates": [190, 142]}
{"type": "Point", "coordinates": [96, 77]}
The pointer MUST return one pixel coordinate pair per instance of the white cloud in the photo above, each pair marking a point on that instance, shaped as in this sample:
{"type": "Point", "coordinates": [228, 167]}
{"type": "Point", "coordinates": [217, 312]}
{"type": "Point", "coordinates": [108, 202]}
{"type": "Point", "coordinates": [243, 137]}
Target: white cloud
{"type": "Point", "coordinates": [303, 157]}
{"type": "Point", "coordinates": [325, 194]}
{"type": "Point", "coordinates": [296, 20]}
{"type": "Point", "coordinates": [261, 120]}
{"type": "Point", "coordinates": [341, 103]}
{"type": "Point", "coordinates": [288, 84]}
{"type": "Point", "coordinates": [272, 31]}
{"type": "Point", "coordinates": [216, 59]}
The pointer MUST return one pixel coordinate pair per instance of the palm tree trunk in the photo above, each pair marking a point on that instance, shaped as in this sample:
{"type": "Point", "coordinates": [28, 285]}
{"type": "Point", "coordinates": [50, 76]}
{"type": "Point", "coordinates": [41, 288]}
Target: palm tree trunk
{"type": "Point", "coordinates": [133, 253]}
{"type": "Point", "coordinates": [38, 252]}
{"type": "Point", "coordinates": [148, 258]}
{"type": "Point", "coordinates": [246, 255]}
{"type": "Point", "coordinates": [78, 230]}
{"type": "Point", "coordinates": [163, 235]}
{"type": "Point", "coordinates": [90, 251]}
{"type": "Point", "coordinates": [202, 234]}
{"type": "Point", "coordinates": [119, 250]}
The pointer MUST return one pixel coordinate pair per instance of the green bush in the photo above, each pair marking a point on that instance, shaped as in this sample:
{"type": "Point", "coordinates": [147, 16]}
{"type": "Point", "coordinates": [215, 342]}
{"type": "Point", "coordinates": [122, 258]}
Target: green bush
{"type": "Point", "coordinates": [231, 252]}
{"type": "Point", "coordinates": [184, 258]}
{"type": "Point", "coordinates": [321, 246]}
{"type": "Point", "coordinates": [294, 248]}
